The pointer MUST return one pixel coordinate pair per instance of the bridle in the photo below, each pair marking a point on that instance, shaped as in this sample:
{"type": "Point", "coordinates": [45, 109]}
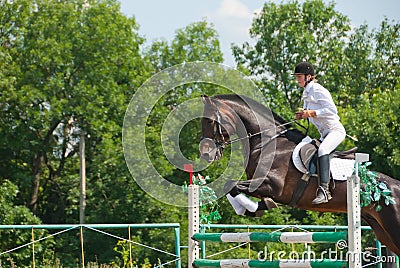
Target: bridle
{"type": "Point", "coordinates": [220, 144]}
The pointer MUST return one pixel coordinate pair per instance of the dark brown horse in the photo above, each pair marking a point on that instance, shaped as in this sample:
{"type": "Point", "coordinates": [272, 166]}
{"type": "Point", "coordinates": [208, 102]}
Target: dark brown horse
{"type": "Point", "coordinates": [268, 165]}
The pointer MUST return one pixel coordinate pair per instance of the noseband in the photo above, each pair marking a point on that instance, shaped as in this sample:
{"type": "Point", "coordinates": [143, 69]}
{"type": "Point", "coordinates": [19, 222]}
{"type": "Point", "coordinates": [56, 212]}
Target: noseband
{"type": "Point", "coordinates": [220, 144]}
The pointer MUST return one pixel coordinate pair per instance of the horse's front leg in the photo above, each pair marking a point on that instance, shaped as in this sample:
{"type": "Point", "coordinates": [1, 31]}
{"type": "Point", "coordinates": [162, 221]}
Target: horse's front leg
{"type": "Point", "coordinates": [244, 205]}
{"type": "Point", "coordinates": [258, 187]}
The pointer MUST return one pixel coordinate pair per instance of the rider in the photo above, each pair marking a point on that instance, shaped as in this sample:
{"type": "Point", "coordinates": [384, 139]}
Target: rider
{"type": "Point", "coordinates": [319, 107]}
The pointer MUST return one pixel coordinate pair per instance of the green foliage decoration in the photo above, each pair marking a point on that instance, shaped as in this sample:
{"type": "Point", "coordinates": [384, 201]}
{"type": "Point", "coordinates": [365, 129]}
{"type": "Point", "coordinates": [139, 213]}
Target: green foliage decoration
{"type": "Point", "coordinates": [208, 206]}
{"type": "Point", "coordinates": [373, 190]}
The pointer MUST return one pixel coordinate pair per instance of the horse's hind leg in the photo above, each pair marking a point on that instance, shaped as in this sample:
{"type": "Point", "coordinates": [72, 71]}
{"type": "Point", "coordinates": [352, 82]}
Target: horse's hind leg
{"type": "Point", "coordinates": [379, 232]}
{"type": "Point", "coordinates": [381, 235]}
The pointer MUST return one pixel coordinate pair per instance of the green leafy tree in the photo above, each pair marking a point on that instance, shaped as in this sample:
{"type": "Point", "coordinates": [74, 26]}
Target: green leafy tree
{"type": "Point", "coordinates": [385, 73]}
{"type": "Point", "coordinates": [286, 34]}
{"type": "Point", "coordinates": [69, 67]}
{"type": "Point", "coordinates": [370, 62]}
{"type": "Point", "coordinates": [196, 42]}
{"type": "Point", "coordinates": [13, 214]}
{"type": "Point", "coordinates": [378, 128]}
{"type": "Point", "coordinates": [370, 101]}
{"type": "Point", "coordinates": [73, 74]}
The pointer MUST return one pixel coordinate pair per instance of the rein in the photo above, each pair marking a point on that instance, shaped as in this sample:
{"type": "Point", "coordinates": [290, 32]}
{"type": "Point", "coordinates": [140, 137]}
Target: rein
{"type": "Point", "coordinates": [250, 135]}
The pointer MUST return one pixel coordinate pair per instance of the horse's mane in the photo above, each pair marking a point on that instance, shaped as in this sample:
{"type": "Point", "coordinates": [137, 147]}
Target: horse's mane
{"type": "Point", "coordinates": [293, 134]}
{"type": "Point", "coordinates": [252, 103]}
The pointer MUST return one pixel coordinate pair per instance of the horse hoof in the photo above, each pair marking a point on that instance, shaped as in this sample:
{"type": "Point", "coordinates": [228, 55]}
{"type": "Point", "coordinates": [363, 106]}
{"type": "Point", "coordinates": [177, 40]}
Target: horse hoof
{"type": "Point", "coordinates": [259, 213]}
{"type": "Point", "coordinates": [269, 203]}
{"type": "Point", "coordinates": [256, 214]}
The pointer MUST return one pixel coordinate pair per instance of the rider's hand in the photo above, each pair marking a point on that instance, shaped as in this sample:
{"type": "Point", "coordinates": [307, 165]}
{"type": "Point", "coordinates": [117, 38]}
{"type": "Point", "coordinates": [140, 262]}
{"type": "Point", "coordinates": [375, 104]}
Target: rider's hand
{"type": "Point", "coordinates": [298, 115]}
{"type": "Point", "coordinates": [305, 114]}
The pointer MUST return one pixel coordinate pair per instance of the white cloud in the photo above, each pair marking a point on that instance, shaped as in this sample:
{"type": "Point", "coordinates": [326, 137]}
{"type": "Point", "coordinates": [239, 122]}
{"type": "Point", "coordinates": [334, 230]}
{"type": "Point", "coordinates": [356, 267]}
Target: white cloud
{"type": "Point", "coordinates": [234, 9]}
{"type": "Point", "coordinates": [232, 20]}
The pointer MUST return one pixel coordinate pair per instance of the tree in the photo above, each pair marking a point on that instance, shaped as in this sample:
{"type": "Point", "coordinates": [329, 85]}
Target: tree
{"type": "Point", "coordinates": [286, 34]}
{"type": "Point", "coordinates": [196, 42]}
{"type": "Point", "coordinates": [377, 126]}
{"type": "Point", "coordinates": [12, 213]}
{"type": "Point", "coordinates": [386, 56]}
{"type": "Point", "coordinates": [351, 64]}
{"type": "Point", "coordinates": [67, 67]}
{"type": "Point", "coordinates": [73, 74]}
{"type": "Point", "coordinates": [370, 62]}
{"type": "Point", "coordinates": [370, 99]}
{"type": "Point", "coordinates": [357, 67]}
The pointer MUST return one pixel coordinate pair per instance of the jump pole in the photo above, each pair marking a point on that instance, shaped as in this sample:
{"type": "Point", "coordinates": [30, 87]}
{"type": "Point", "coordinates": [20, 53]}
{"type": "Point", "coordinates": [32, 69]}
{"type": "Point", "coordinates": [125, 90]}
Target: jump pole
{"type": "Point", "coordinates": [280, 237]}
{"type": "Point", "coordinates": [354, 213]}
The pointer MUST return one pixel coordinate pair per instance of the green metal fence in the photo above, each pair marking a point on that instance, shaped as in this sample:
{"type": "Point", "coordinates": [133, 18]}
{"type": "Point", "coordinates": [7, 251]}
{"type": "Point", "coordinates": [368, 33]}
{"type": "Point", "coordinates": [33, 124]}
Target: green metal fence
{"type": "Point", "coordinates": [176, 230]}
{"type": "Point", "coordinates": [98, 228]}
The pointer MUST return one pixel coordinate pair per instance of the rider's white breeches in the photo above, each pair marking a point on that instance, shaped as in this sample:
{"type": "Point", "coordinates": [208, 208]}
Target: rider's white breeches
{"type": "Point", "coordinates": [331, 139]}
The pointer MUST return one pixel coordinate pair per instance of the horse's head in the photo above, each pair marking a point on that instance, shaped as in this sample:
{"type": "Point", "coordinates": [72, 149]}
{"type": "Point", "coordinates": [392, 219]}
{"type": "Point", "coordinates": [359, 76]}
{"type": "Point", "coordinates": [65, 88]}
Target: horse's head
{"type": "Point", "coordinates": [218, 123]}
{"type": "Point", "coordinates": [225, 115]}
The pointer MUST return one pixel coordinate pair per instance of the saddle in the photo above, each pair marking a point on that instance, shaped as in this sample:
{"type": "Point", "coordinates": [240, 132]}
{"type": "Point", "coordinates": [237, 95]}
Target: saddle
{"type": "Point", "coordinates": [309, 156]}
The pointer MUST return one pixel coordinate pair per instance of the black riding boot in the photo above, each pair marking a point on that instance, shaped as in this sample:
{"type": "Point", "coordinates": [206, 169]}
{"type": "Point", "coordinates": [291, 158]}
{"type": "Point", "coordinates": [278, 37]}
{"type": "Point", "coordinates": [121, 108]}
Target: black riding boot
{"type": "Point", "coordinates": [323, 194]}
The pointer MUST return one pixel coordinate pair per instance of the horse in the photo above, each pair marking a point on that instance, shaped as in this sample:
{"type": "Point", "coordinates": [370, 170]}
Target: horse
{"type": "Point", "coordinates": [268, 142]}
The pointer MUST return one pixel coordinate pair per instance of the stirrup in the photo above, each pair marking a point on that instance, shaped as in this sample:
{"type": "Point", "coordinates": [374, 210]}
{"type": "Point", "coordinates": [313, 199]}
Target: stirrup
{"type": "Point", "coordinates": [326, 196]}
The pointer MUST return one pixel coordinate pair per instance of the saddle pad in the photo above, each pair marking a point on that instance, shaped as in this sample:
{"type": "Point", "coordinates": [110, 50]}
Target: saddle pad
{"type": "Point", "coordinates": [340, 168]}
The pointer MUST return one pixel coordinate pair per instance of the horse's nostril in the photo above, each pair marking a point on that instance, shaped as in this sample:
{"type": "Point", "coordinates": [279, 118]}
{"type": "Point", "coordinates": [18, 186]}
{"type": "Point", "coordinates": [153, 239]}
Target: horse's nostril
{"type": "Point", "coordinates": [208, 149]}
{"type": "Point", "coordinates": [208, 157]}
{"type": "Point", "coordinates": [205, 156]}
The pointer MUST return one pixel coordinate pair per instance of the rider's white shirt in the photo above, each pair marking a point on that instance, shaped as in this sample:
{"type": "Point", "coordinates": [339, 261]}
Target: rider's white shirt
{"type": "Point", "coordinates": [318, 98]}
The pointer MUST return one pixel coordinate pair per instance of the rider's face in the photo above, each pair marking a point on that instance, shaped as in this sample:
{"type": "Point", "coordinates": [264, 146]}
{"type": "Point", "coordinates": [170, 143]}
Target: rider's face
{"type": "Point", "coordinates": [301, 79]}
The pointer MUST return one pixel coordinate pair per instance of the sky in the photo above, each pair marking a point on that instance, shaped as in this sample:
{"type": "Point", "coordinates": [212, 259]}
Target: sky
{"type": "Point", "coordinates": [159, 19]}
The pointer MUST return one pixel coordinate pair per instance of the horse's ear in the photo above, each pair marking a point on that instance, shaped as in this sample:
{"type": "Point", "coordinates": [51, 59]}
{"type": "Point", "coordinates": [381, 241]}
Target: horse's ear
{"type": "Point", "coordinates": [206, 99]}
{"type": "Point", "coordinates": [210, 101]}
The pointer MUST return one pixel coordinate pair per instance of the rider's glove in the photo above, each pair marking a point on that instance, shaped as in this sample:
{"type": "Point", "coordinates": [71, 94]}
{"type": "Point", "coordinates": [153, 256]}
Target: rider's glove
{"type": "Point", "coordinates": [305, 114]}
